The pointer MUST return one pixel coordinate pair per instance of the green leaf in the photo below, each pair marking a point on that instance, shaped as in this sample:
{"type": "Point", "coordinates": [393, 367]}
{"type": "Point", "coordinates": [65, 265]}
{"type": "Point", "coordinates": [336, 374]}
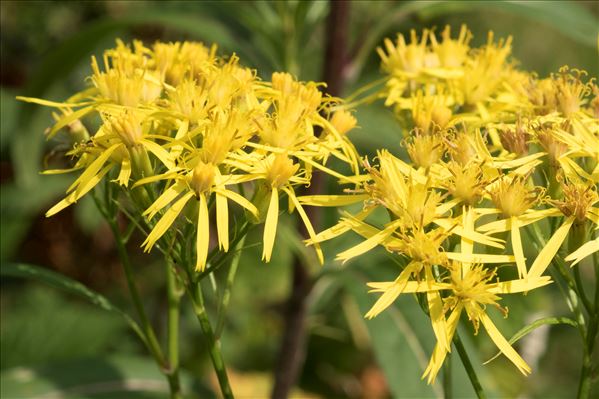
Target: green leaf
{"type": "Point", "coordinates": [569, 18]}
{"type": "Point", "coordinates": [66, 284]}
{"type": "Point", "coordinates": [29, 311]}
{"type": "Point", "coordinates": [397, 339]}
{"type": "Point", "coordinates": [111, 377]}
{"type": "Point", "coordinates": [533, 326]}
{"type": "Point", "coordinates": [18, 206]}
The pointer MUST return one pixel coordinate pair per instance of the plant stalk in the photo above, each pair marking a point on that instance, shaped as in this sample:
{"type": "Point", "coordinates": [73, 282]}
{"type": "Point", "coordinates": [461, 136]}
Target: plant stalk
{"type": "Point", "coordinates": [480, 394]}
{"type": "Point", "coordinates": [174, 301]}
{"type": "Point", "coordinates": [152, 341]}
{"type": "Point", "coordinates": [213, 343]}
{"type": "Point", "coordinates": [224, 304]}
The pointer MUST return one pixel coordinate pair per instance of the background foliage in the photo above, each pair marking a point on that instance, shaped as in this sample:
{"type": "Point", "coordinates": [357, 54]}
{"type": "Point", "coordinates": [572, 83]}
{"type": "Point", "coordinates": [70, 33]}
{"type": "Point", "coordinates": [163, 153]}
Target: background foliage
{"type": "Point", "coordinates": [53, 341]}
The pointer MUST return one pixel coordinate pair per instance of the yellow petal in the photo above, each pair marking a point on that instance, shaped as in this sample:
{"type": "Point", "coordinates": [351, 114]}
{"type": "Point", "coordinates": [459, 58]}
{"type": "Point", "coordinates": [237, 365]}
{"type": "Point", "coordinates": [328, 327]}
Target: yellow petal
{"type": "Point", "coordinates": [439, 353]}
{"type": "Point", "coordinates": [181, 132]}
{"type": "Point", "coordinates": [165, 198]}
{"type": "Point", "coordinates": [332, 200]}
{"type": "Point", "coordinates": [222, 221]}
{"type": "Point", "coordinates": [517, 247]}
{"type": "Point", "coordinates": [203, 238]}
{"type": "Point", "coordinates": [524, 220]}
{"type": "Point", "coordinates": [450, 225]}
{"type": "Point", "coordinates": [165, 222]}
{"type": "Point", "coordinates": [503, 345]}
{"type": "Point", "coordinates": [340, 228]}
{"type": "Point", "coordinates": [233, 196]}
{"type": "Point", "coordinates": [480, 258]}
{"type": "Point", "coordinates": [522, 285]}
{"type": "Point", "coordinates": [389, 296]}
{"type": "Point", "coordinates": [92, 170]}
{"type": "Point", "coordinates": [553, 245]}
{"type": "Point", "coordinates": [69, 118]}
{"type": "Point", "coordinates": [306, 220]}
{"type": "Point", "coordinates": [369, 244]}
{"type": "Point", "coordinates": [270, 225]}
{"type": "Point", "coordinates": [48, 103]}
{"type": "Point", "coordinates": [160, 153]}
{"type": "Point", "coordinates": [125, 172]}
{"type": "Point", "coordinates": [435, 307]}
{"type": "Point", "coordinates": [151, 179]}
{"type": "Point", "coordinates": [583, 251]}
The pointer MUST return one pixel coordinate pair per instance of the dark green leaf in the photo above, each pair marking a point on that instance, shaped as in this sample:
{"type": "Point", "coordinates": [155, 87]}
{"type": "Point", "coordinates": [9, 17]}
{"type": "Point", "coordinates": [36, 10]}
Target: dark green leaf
{"type": "Point", "coordinates": [66, 284]}
{"type": "Point", "coordinates": [112, 377]}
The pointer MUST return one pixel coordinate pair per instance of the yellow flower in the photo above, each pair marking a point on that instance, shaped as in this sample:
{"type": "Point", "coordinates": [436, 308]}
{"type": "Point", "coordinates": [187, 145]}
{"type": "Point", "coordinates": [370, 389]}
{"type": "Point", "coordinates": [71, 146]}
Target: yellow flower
{"type": "Point", "coordinates": [121, 141]}
{"type": "Point", "coordinates": [471, 290]}
{"type": "Point", "coordinates": [577, 206]}
{"type": "Point", "coordinates": [199, 182]}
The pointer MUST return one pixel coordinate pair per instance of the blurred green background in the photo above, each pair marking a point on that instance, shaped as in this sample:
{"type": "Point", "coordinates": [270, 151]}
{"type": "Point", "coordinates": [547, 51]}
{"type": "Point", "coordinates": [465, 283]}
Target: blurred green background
{"type": "Point", "coordinates": [54, 343]}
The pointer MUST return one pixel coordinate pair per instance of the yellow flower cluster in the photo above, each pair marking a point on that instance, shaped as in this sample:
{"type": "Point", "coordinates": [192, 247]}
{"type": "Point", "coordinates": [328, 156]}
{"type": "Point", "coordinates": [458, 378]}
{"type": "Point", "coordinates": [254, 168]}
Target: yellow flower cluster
{"type": "Point", "coordinates": [494, 150]}
{"type": "Point", "coordinates": [174, 122]}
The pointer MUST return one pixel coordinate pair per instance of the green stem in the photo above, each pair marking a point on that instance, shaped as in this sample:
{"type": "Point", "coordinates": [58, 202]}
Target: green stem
{"type": "Point", "coordinates": [480, 394]}
{"type": "Point", "coordinates": [213, 344]}
{"type": "Point", "coordinates": [174, 300]}
{"type": "Point", "coordinates": [447, 384]}
{"type": "Point", "coordinates": [152, 342]}
{"type": "Point", "coordinates": [585, 382]}
{"type": "Point", "coordinates": [222, 311]}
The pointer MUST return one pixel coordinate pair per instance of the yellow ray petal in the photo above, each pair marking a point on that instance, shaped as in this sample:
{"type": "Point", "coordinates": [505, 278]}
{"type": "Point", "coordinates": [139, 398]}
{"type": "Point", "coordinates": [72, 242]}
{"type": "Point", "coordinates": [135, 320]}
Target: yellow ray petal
{"type": "Point", "coordinates": [522, 285]}
{"type": "Point", "coordinates": [92, 170]}
{"type": "Point", "coordinates": [125, 173]}
{"type": "Point", "coordinates": [151, 179]}
{"type": "Point", "coordinates": [69, 118]}
{"type": "Point", "coordinates": [517, 247]}
{"type": "Point", "coordinates": [369, 244]}
{"type": "Point", "coordinates": [165, 198]}
{"type": "Point", "coordinates": [332, 200]}
{"type": "Point", "coordinates": [450, 225]}
{"type": "Point", "coordinates": [73, 197]}
{"type": "Point", "coordinates": [503, 345]}
{"type": "Point", "coordinates": [48, 103]}
{"type": "Point", "coordinates": [163, 155]}
{"type": "Point", "coordinates": [439, 353]}
{"type": "Point", "coordinates": [270, 225]}
{"type": "Point", "coordinates": [203, 238]}
{"type": "Point", "coordinates": [524, 220]}
{"type": "Point", "coordinates": [181, 132]}
{"type": "Point", "coordinates": [222, 221]}
{"type": "Point", "coordinates": [435, 309]}
{"type": "Point", "coordinates": [239, 199]}
{"type": "Point", "coordinates": [389, 296]}
{"type": "Point", "coordinates": [165, 222]}
{"type": "Point", "coordinates": [306, 220]}
{"type": "Point", "coordinates": [480, 258]}
{"type": "Point", "coordinates": [583, 251]}
{"type": "Point", "coordinates": [553, 245]}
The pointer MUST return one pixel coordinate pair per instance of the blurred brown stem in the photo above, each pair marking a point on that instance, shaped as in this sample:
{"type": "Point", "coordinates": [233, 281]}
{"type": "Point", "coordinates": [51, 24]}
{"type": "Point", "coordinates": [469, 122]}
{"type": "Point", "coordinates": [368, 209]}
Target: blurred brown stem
{"type": "Point", "coordinates": [293, 344]}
